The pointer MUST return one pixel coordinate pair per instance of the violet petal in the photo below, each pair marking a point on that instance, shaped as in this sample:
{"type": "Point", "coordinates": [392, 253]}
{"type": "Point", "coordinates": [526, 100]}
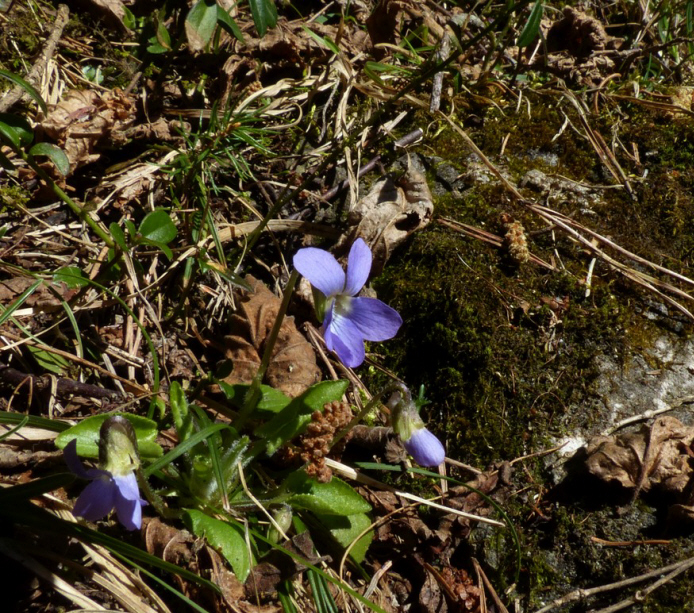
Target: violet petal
{"type": "Point", "coordinates": [358, 267]}
{"type": "Point", "coordinates": [321, 269]}
{"type": "Point", "coordinates": [425, 448]}
{"type": "Point", "coordinates": [75, 464]}
{"type": "Point", "coordinates": [375, 320]}
{"type": "Point", "coordinates": [343, 337]}
{"type": "Point", "coordinates": [128, 503]}
{"type": "Point", "coordinates": [97, 499]}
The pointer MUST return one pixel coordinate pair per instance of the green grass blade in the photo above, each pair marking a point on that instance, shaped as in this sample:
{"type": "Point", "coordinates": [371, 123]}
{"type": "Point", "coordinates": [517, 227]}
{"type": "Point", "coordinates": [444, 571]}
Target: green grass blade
{"type": "Point", "coordinates": [29, 89]}
{"type": "Point", "coordinates": [532, 26]}
{"type": "Point", "coordinates": [7, 313]}
{"type": "Point", "coordinates": [179, 450]}
{"type": "Point", "coordinates": [33, 421]}
{"type": "Point", "coordinates": [17, 428]}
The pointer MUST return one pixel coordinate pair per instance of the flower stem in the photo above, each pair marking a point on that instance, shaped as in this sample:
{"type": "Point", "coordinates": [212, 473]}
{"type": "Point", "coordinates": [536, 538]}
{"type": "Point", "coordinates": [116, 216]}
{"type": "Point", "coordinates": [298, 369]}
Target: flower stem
{"type": "Point", "coordinates": [395, 386]}
{"type": "Point", "coordinates": [253, 394]}
{"type": "Point", "coordinates": [76, 208]}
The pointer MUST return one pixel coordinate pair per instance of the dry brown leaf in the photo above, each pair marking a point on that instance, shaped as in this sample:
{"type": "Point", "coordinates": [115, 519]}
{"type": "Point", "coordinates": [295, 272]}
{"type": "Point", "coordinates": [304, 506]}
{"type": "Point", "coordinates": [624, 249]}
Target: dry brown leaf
{"type": "Point", "coordinates": [113, 10]}
{"type": "Point", "coordinates": [85, 121]}
{"type": "Point", "coordinates": [653, 456]}
{"type": "Point", "coordinates": [290, 42]}
{"type": "Point", "coordinates": [388, 214]}
{"type": "Point", "coordinates": [276, 566]}
{"type": "Point", "coordinates": [180, 547]}
{"type": "Point", "coordinates": [579, 34]}
{"type": "Point", "coordinates": [42, 298]}
{"type": "Point", "coordinates": [292, 367]}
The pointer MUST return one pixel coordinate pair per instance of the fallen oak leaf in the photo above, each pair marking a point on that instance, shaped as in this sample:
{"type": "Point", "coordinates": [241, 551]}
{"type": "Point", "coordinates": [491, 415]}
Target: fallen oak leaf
{"type": "Point", "coordinates": [388, 214]}
{"type": "Point", "coordinates": [653, 456]}
{"type": "Point", "coordinates": [292, 367]}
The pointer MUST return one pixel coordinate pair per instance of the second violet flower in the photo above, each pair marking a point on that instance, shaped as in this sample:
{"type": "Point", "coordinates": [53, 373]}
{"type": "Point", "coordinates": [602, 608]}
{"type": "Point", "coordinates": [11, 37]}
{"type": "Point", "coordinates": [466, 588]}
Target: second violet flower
{"type": "Point", "coordinates": [348, 320]}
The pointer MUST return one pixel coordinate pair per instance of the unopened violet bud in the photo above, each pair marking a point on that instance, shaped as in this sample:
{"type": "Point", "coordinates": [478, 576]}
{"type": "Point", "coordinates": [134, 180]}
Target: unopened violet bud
{"type": "Point", "coordinates": [114, 484]}
{"type": "Point", "coordinates": [425, 448]}
{"type": "Point", "coordinates": [421, 444]}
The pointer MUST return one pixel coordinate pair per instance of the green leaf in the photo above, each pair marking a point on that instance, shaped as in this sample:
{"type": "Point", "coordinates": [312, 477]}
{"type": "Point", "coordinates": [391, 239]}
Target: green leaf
{"type": "Point", "coordinates": [154, 47]}
{"type": "Point", "coordinates": [87, 435]}
{"type": "Point", "coordinates": [130, 227]}
{"type": "Point", "coordinates": [320, 394]}
{"type": "Point", "coordinates": [26, 87]}
{"type": "Point", "coordinates": [118, 235]}
{"type": "Point", "coordinates": [21, 127]}
{"type": "Point", "coordinates": [72, 276]}
{"type": "Point", "coordinates": [532, 26]}
{"type": "Point", "coordinates": [9, 136]}
{"type": "Point", "coordinates": [227, 22]}
{"type": "Point", "coordinates": [326, 42]}
{"type": "Point", "coordinates": [129, 19]}
{"type": "Point", "coordinates": [228, 538]}
{"type": "Point", "coordinates": [157, 226]}
{"type": "Point", "coordinates": [201, 23]}
{"type": "Point", "coordinates": [56, 155]}
{"type": "Point", "coordinates": [264, 15]}
{"type": "Point", "coordinates": [49, 361]}
{"type": "Point", "coordinates": [179, 410]}
{"type": "Point", "coordinates": [294, 418]}
{"type": "Point", "coordinates": [159, 245]}
{"type": "Point", "coordinates": [271, 399]}
{"type": "Point", "coordinates": [161, 41]}
{"type": "Point", "coordinates": [333, 498]}
{"type": "Point", "coordinates": [346, 528]}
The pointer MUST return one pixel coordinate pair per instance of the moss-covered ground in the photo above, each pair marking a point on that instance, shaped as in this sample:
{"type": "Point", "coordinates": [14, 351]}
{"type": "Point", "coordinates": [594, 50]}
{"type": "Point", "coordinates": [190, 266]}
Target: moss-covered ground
{"type": "Point", "coordinates": [509, 355]}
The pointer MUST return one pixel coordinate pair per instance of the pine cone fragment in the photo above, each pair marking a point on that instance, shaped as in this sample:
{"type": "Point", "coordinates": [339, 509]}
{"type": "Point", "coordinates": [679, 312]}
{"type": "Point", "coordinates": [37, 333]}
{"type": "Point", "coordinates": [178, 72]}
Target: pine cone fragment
{"type": "Point", "coordinates": [293, 365]}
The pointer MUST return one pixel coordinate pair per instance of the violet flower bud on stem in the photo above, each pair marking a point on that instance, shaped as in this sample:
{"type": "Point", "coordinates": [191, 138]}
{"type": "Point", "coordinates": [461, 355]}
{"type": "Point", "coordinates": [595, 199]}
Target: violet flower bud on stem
{"type": "Point", "coordinates": [114, 484]}
{"type": "Point", "coordinates": [421, 444]}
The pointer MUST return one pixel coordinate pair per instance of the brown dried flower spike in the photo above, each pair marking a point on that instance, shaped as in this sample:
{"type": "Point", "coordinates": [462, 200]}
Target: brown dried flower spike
{"type": "Point", "coordinates": [515, 243]}
{"type": "Point", "coordinates": [315, 442]}
{"type": "Point", "coordinates": [292, 367]}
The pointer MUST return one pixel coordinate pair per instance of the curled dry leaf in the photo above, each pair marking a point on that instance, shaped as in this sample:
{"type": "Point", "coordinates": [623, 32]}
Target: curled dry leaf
{"type": "Point", "coordinates": [653, 456]}
{"type": "Point", "coordinates": [180, 547]}
{"type": "Point", "coordinates": [580, 51]}
{"type": "Point", "coordinates": [293, 365]}
{"type": "Point", "coordinates": [113, 11]}
{"type": "Point", "coordinates": [290, 42]}
{"type": "Point", "coordinates": [578, 33]}
{"type": "Point", "coordinates": [388, 214]}
{"type": "Point", "coordinates": [86, 121]}
{"type": "Point", "coordinates": [276, 567]}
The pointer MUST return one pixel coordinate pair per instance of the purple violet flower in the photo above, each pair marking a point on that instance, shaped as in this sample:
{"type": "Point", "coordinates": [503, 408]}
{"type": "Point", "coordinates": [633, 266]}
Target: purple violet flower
{"type": "Point", "coordinates": [112, 487]}
{"type": "Point", "coordinates": [347, 319]}
{"type": "Point", "coordinates": [421, 444]}
{"type": "Point", "coordinates": [425, 448]}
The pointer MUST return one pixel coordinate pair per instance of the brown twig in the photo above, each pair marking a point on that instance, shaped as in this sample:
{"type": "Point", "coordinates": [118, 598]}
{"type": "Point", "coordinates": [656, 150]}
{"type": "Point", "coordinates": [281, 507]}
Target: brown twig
{"type": "Point", "coordinates": [583, 594]}
{"type": "Point", "coordinates": [19, 93]}
{"type": "Point", "coordinates": [486, 237]}
{"type": "Point", "coordinates": [131, 386]}
{"type": "Point", "coordinates": [487, 584]}
{"type": "Point", "coordinates": [600, 541]}
{"type": "Point", "coordinates": [65, 387]}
